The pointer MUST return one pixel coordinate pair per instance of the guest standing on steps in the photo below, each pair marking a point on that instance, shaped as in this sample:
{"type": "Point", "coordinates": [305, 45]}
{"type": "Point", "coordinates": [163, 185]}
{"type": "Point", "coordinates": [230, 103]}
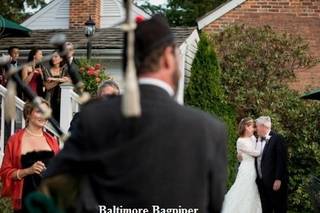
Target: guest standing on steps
{"type": "Point", "coordinates": [54, 76]}
{"type": "Point", "coordinates": [26, 156]}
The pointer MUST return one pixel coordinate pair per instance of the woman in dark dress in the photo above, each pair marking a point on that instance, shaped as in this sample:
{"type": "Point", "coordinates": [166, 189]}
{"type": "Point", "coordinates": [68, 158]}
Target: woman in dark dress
{"type": "Point", "coordinates": [55, 76]}
{"type": "Point", "coordinates": [26, 156]}
{"type": "Point", "coordinates": [33, 74]}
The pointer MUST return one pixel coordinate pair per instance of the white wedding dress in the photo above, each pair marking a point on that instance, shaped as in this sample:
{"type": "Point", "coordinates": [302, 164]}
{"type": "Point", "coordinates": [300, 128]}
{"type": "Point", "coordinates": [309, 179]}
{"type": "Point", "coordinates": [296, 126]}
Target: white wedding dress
{"type": "Point", "coordinates": [243, 196]}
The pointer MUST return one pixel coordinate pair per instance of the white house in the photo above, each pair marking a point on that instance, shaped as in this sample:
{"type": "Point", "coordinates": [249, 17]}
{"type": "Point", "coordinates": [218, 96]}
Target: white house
{"type": "Point", "coordinates": [69, 16]}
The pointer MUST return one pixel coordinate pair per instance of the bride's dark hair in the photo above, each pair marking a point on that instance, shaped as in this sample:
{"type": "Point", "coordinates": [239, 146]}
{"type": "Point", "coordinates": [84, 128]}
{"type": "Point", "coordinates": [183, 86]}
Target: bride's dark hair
{"type": "Point", "coordinates": [242, 125]}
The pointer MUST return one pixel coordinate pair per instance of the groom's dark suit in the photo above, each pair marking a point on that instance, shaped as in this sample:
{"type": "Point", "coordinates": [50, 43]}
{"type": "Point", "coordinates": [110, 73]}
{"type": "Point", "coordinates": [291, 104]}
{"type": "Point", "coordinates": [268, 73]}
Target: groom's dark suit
{"type": "Point", "coordinates": [273, 167]}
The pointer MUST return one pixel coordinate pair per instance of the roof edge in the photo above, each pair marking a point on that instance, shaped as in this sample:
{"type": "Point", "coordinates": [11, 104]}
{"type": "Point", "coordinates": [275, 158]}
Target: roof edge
{"type": "Point", "coordinates": [41, 11]}
{"type": "Point", "coordinates": [218, 12]}
{"type": "Point", "coordinates": [137, 9]}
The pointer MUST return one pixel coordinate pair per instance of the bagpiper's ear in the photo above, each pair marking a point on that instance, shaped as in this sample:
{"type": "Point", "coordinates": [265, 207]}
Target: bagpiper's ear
{"type": "Point", "coordinates": [10, 101]}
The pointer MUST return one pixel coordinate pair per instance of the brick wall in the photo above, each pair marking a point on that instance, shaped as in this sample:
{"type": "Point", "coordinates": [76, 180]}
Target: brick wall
{"type": "Point", "coordinates": [300, 17]}
{"type": "Point", "coordinates": [80, 10]}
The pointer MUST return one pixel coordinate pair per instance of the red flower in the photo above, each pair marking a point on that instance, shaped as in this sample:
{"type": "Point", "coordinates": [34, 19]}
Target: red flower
{"type": "Point", "coordinates": [91, 68]}
{"type": "Point", "coordinates": [91, 71]}
{"type": "Point", "coordinates": [97, 66]}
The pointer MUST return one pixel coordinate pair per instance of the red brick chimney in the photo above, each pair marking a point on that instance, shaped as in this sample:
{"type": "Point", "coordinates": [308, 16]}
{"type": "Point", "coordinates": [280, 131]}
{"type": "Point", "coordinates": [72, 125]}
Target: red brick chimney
{"type": "Point", "coordinates": [80, 10]}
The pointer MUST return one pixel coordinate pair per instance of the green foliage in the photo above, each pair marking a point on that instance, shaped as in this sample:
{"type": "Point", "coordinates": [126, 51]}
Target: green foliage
{"type": "Point", "coordinates": [299, 122]}
{"type": "Point", "coordinates": [15, 9]}
{"type": "Point", "coordinates": [186, 12]}
{"type": "Point", "coordinates": [5, 204]}
{"type": "Point", "coordinates": [181, 12]}
{"type": "Point", "coordinates": [92, 75]}
{"type": "Point", "coordinates": [204, 91]}
{"type": "Point", "coordinates": [259, 59]}
{"type": "Point", "coordinates": [257, 64]}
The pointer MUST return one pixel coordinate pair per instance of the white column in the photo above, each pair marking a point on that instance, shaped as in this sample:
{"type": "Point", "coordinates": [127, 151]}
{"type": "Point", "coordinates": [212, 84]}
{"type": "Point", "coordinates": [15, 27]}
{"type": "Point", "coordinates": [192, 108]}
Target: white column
{"type": "Point", "coordinates": [66, 112]}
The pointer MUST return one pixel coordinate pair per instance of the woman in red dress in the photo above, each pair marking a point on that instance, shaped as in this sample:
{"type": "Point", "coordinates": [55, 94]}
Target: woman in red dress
{"type": "Point", "coordinates": [33, 74]}
{"type": "Point", "coordinates": [26, 156]}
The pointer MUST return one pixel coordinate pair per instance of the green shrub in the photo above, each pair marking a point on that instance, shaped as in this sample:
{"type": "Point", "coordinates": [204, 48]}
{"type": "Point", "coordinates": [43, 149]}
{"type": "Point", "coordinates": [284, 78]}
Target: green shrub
{"type": "Point", "coordinates": [205, 91]}
{"type": "Point", "coordinates": [256, 63]}
{"type": "Point", "coordinates": [5, 204]}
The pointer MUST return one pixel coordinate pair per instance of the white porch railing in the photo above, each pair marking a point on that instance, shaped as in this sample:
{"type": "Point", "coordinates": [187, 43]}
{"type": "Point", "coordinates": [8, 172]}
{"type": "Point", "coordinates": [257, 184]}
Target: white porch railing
{"type": "Point", "coordinates": [69, 106]}
{"type": "Point", "coordinates": [8, 128]}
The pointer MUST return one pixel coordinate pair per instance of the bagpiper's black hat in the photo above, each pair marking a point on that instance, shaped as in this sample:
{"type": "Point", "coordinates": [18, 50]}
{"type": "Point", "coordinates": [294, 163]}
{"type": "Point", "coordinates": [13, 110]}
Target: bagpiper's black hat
{"type": "Point", "coordinates": [151, 34]}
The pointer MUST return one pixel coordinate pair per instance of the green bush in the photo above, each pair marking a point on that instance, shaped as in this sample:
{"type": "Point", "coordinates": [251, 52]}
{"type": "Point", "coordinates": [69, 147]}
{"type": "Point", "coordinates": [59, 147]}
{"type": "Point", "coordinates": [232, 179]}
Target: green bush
{"type": "Point", "coordinates": [257, 64]}
{"type": "Point", "coordinates": [205, 91]}
{"type": "Point", "coordinates": [5, 204]}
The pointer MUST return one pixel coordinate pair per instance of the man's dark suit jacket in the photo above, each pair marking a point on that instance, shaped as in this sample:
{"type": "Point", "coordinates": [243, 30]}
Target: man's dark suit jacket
{"type": "Point", "coordinates": [274, 161]}
{"type": "Point", "coordinates": [75, 64]}
{"type": "Point", "coordinates": [172, 155]}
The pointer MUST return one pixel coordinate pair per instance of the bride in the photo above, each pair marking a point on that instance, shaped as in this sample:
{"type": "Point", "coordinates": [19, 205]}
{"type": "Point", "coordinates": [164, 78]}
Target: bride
{"type": "Point", "coordinates": [243, 196]}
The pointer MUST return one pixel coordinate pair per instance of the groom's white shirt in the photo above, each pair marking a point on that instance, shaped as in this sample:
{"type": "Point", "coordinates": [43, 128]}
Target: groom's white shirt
{"type": "Point", "coordinates": [263, 144]}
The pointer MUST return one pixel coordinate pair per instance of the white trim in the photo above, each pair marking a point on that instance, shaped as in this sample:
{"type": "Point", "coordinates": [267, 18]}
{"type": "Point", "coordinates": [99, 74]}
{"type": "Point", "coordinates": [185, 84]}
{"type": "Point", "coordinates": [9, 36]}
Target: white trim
{"type": "Point", "coordinates": [193, 38]}
{"type": "Point", "coordinates": [217, 13]}
{"type": "Point", "coordinates": [182, 67]}
{"type": "Point", "coordinates": [42, 11]}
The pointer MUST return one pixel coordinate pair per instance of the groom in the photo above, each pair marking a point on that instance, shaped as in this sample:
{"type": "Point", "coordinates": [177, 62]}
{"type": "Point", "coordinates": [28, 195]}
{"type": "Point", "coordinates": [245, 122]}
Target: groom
{"type": "Point", "coordinates": [271, 168]}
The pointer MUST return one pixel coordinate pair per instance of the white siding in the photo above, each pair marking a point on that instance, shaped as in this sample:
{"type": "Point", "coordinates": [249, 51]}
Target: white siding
{"type": "Point", "coordinates": [111, 13]}
{"type": "Point", "coordinates": [114, 69]}
{"type": "Point", "coordinates": [54, 16]}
